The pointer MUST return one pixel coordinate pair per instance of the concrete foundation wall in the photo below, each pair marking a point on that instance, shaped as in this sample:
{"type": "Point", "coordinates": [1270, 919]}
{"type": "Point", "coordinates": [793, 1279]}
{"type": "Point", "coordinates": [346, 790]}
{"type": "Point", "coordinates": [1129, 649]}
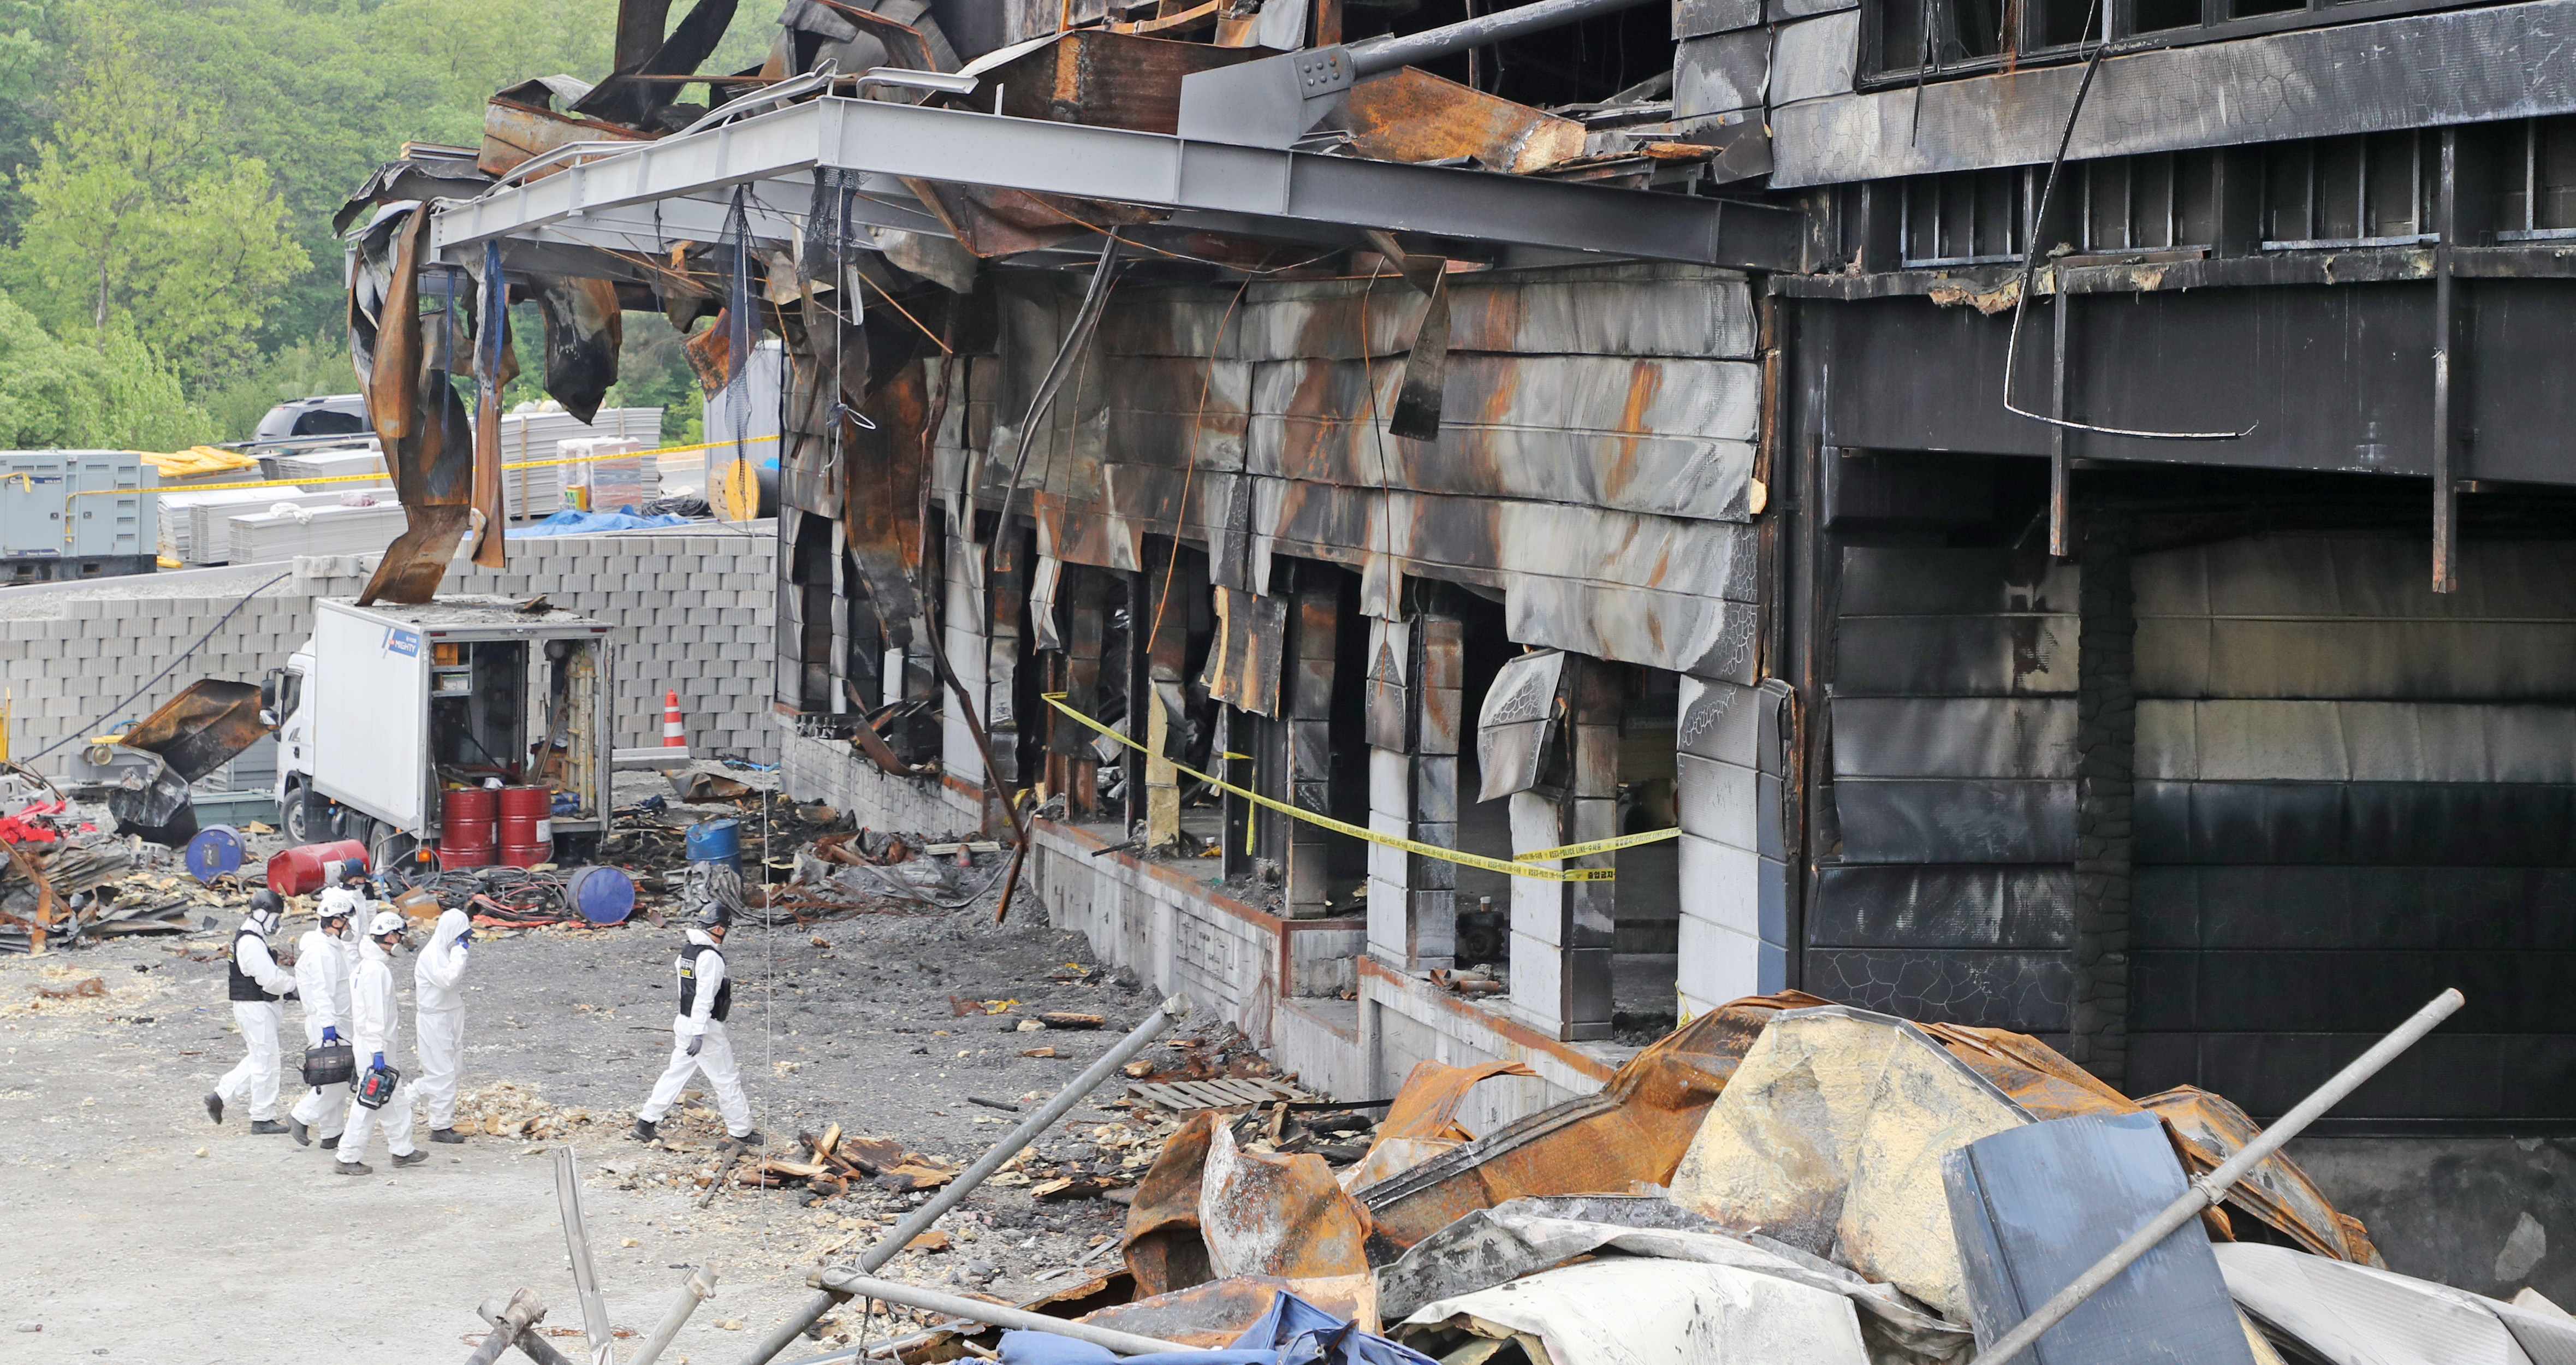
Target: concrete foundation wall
{"type": "Point", "coordinates": [693, 612]}
{"type": "Point", "coordinates": [2489, 1215]}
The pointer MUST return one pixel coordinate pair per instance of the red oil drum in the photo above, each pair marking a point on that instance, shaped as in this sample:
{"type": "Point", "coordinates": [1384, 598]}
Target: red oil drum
{"type": "Point", "coordinates": [303, 870]}
{"type": "Point", "coordinates": [527, 831]}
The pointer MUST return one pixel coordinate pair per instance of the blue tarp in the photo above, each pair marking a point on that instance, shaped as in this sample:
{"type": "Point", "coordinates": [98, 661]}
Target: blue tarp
{"type": "Point", "coordinates": [569, 522]}
{"type": "Point", "coordinates": [1293, 1332]}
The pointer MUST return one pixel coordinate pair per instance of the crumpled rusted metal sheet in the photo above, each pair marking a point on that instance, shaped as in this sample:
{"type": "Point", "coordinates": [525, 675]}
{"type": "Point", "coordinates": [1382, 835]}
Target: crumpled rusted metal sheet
{"type": "Point", "coordinates": [881, 484]}
{"type": "Point", "coordinates": [1163, 1245]}
{"type": "Point", "coordinates": [1277, 1215]}
{"type": "Point", "coordinates": [1423, 1122]}
{"type": "Point", "coordinates": [517, 130]}
{"type": "Point", "coordinates": [2210, 1129]}
{"type": "Point", "coordinates": [584, 329]}
{"type": "Point", "coordinates": [1634, 1129]}
{"type": "Point", "coordinates": [425, 431]}
{"type": "Point", "coordinates": [1210, 1316]}
{"type": "Point", "coordinates": [1411, 115]}
{"type": "Point", "coordinates": [200, 729]}
{"type": "Point", "coordinates": [990, 221]}
{"type": "Point", "coordinates": [2206, 1130]}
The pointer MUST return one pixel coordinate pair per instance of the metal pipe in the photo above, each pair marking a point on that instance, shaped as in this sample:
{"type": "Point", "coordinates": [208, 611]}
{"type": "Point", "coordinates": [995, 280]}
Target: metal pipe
{"type": "Point", "coordinates": [858, 1286]}
{"type": "Point", "coordinates": [697, 1289]}
{"type": "Point", "coordinates": [2208, 1190]}
{"type": "Point", "coordinates": [1386, 54]}
{"type": "Point", "coordinates": [585, 1271]}
{"type": "Point", "coordinates": [531, 1345]}
{"type": "Point", "coordinates": [954, 1193]}
{"type": "Point", "coordinates": [523, 1311]}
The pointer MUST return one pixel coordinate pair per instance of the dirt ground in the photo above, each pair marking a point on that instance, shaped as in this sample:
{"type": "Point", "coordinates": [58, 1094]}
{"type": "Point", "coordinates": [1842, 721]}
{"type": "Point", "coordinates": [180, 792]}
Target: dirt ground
{"type": "Point", "coordinates": [146, 1233]}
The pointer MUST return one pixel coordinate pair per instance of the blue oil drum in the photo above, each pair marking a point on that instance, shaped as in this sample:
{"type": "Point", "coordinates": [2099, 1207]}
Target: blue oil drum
{"type": "Point", "coordinates": [215, 852]}
{"type": "Point", "coordinates": [716, 841]}
{"type": "Point", "coordinates": [603, 895]}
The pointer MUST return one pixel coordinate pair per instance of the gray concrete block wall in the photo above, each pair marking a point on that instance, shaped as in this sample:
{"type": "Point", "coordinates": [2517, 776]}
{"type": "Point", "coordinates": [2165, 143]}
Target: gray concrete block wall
{"type": "Point", "coordinates": [68, 653]}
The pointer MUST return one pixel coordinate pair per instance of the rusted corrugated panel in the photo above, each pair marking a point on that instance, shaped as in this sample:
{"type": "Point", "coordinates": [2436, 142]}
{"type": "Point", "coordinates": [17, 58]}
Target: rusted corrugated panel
{"type": "Point", "coordinates": [1633, 1129]}
{"type": "Point", "coordinates": [1411, 115]}
{"type": "Point", "coordinates": [1668, 436]}
{"type": "Point", "coordinates": [881, 480]}
{"type": "Point", "coordinates": [1175, 412]}
{"type": "Point", "coordinates": [1172, 320]}
{"type": "Point", "coordinates": [1243, 664]}
{"type": "Point", "coordinates": [1631, 310]}
{"type": "Point", "coordinates": [514, 132]}
{"type": "Point", "coordinates": [1106, 80]}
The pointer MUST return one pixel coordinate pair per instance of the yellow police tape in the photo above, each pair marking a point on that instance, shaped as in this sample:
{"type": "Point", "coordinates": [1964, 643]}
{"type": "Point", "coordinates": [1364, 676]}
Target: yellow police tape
{"type": "Point", "coordinates": [1518, 866]}
{"type": "Point", "coordinates": [380, 477]}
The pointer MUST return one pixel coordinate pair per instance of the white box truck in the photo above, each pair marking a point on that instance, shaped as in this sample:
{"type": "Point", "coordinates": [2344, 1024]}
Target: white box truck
{"type": "Point", "coordinates": [388, 706]}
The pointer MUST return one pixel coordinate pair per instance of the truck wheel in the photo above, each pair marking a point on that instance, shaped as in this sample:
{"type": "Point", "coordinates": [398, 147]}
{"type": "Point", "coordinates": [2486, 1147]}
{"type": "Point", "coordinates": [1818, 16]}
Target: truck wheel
{"type": "Point", "coordinates": [292, 815]}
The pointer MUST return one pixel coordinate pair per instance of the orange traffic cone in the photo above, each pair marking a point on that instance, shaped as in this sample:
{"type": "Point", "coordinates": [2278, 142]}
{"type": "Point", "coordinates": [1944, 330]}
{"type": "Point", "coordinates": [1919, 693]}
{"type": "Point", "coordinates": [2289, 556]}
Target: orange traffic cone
{"type": "Point", "coordinates": [673, 737]}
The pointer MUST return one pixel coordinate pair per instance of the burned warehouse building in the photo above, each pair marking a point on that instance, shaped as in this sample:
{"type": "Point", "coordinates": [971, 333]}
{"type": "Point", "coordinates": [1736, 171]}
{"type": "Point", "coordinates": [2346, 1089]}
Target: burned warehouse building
{"type": "Point", "coordinates": [1479, 534]}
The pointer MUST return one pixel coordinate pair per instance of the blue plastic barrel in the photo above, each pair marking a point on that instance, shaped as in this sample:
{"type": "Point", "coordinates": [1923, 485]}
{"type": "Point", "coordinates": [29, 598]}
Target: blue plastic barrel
{"type": "Point", "coordinates": [603, 895]}
{"type": "Point", "coordinates": [215, 851]}
{"type": "Point", "coordinates": [716, 841]}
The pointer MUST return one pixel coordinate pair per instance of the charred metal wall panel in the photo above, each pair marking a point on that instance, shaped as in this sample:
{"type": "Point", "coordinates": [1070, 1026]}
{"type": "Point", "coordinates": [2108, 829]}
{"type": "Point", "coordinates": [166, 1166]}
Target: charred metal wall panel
{"type": "Point", "coordinates": [2351, 793]}
{"type": "Point", "coordinates": [1953, 757]}
{"type": "Point", "coordinates": [1594, 465]}
{"type": "Point", "coordinates": [2331, 378]}
{"type": "Point", "coordinates": [2461, 67]}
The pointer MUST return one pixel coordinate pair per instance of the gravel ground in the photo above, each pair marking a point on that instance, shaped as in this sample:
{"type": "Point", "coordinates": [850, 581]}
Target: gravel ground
{"type": "Point", "coordinates": [170, 1239]}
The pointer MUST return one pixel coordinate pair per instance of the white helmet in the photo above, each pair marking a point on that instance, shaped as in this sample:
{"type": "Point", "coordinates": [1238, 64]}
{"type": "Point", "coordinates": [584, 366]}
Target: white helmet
{"type": "Point", "coordinates": [385, 922]}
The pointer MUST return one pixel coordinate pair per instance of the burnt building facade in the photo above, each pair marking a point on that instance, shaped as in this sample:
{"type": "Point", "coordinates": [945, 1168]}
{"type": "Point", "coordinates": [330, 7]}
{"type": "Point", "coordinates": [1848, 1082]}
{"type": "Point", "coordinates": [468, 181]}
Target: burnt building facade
{"type": "Point", "coordinates": [2045, 517]}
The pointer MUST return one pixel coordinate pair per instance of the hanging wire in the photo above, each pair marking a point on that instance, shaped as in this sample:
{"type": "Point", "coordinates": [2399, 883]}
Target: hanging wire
{"type": "Point", "coordinates": [2030, 269]}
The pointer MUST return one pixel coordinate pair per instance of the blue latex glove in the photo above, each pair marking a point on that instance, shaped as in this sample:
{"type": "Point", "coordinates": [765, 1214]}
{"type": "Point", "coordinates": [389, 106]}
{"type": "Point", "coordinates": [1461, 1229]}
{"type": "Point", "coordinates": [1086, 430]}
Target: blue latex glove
{"type": "Point", "coordinates": [380, 1061]}
{"type": "Point", "coordinates": [330, 1034]}
{"type": "Point", "coordinates": [465, 940]}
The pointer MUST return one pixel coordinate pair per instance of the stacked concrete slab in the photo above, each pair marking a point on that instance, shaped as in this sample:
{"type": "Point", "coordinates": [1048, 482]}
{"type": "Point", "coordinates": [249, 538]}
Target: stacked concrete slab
{"type": "Point", "coordinates": [693, 611]}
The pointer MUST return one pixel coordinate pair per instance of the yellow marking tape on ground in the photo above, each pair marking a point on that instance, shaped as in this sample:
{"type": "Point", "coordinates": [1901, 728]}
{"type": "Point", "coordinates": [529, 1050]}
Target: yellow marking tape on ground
{"type": "Point", "coordinates": [1519, 866]}
{"type": "Point", "coordinates": [382, 477]}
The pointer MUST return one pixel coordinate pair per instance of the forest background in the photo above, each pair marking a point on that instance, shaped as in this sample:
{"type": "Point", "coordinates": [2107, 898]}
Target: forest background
{"type": "Point", "coordinates": [168, 172]}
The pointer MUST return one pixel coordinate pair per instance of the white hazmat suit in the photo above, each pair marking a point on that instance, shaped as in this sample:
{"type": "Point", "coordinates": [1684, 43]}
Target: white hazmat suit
{"type": "Point", "coordinates": [376, 1014]}
{"type": "Point", "coordinates": [438, 1015]}
{"type": "Point", "coordinates": [256, 985]}
{"type": "Point", "coordinates": [322, 980]}
{"type": "Point", "coordinates": [705, 1000]}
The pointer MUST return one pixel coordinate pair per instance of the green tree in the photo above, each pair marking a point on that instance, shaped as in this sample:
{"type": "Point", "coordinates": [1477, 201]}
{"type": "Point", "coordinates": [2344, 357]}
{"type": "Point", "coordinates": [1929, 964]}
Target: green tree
{"type": "Point", "coordinates": [33, 34]}
{"type": "Point", "coordinates": [56, 393]}
{"type": "Point", "coordinates": [138, 224]}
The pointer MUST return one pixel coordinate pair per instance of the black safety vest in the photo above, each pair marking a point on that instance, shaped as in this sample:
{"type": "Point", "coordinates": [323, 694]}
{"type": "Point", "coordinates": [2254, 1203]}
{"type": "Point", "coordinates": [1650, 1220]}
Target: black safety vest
{"type": "Point", "coordinates": [244, 985]}
{"type": "Point", "coordinates": [689, 983]}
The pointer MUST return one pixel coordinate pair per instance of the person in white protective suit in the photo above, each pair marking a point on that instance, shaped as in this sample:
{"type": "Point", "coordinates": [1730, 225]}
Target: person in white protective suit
{"type": "Point", "coordinates": [698, 1039]}
{"type": "Point", "coordinates": [257, 984]}
{"type": "Point", "coordinates": [438, 1019]}
{"type": "Point", "coordinates": [377, 1016]}
{"type": "Point", "coordinates": [322, 982]}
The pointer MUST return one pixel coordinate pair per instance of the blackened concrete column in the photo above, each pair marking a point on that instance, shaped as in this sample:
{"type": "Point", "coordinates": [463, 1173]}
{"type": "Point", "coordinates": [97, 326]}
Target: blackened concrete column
{"type": "Point", "coordinates": [2106, 724]}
